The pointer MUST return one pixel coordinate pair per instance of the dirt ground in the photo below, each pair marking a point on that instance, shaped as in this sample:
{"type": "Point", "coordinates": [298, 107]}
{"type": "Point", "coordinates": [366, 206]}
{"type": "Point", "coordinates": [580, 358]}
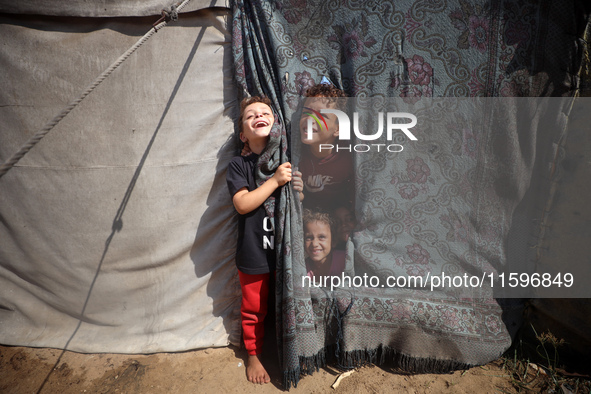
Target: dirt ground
{"type": "Point", "coordinates": [216, 370]}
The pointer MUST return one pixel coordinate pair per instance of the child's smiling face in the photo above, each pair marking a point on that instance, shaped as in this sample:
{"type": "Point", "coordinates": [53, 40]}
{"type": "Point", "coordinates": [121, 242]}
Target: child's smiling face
{"type": "Point", "coordinates": [321, 134]}
{"type": "Point", "coordinates": [318, 241]}
{"type": "Point", "coordinates": [257, 122]}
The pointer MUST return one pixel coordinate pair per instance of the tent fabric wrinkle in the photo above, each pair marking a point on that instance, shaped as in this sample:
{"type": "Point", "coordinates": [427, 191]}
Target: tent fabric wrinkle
{"type": "Point", "coordinates": [117, 227]}
{"type": "Point", "coordinates": [102, 8]}
{"type": "Point", "coordinates": [10, 163]}
{"type": "Point", "coordinates": [167, 16]}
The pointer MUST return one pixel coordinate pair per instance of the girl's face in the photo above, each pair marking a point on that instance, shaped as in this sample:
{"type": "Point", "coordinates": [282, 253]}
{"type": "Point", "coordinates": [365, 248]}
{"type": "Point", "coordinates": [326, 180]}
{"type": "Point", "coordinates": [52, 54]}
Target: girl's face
{"type": "Point", "coordinates": [318, 241]}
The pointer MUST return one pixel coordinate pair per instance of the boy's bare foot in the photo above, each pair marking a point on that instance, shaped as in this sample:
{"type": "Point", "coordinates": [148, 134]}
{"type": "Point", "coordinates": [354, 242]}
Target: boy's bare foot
{"type": "Point", "coordinates": [255, 372]}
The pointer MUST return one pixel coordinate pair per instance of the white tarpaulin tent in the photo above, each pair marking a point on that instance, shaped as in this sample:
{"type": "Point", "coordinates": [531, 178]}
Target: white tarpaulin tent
{"type": "Point", "coordinates": [110, 227]}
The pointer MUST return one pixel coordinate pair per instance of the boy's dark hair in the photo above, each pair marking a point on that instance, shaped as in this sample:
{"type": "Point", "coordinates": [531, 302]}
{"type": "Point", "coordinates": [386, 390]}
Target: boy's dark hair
{"type": "Point", "coordinates": [329, 91]}
{"type": "Point", "coordinates": [251, 100]}
{"type": "Point", "coordinates": [319, 216]}
{"type": "Point", "coordinates": [324, 90]}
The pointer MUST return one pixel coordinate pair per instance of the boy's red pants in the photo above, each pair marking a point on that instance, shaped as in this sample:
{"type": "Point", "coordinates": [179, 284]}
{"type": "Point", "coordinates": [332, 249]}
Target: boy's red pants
{"type": "Point", "coordinates": [255, 292]}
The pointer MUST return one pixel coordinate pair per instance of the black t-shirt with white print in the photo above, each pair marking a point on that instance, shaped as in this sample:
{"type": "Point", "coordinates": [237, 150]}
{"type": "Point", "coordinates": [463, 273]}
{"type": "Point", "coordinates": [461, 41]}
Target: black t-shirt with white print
{"type": "Point", "coordinates": [255, 248]}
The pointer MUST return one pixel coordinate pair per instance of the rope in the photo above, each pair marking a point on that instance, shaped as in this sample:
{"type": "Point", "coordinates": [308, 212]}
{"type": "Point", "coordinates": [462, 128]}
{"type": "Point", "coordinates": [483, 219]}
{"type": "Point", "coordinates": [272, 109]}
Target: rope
{"type": "Point", "coordinates": [167, 16]}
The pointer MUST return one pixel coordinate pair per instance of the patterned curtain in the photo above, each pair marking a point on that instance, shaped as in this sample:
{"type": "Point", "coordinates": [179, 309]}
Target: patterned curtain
{"type": "Point", "coordinates": [445, 205]}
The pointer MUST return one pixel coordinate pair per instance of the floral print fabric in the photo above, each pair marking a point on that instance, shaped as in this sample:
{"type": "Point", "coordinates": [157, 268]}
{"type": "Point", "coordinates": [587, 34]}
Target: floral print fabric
{"type": "Point", "coordinates": [442, 206]}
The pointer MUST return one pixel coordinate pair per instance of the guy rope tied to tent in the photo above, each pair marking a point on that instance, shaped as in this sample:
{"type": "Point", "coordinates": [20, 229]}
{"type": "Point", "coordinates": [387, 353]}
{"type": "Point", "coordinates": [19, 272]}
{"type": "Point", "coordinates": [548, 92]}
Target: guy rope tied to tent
{"type": "Point", "coordinates": [167, 16]}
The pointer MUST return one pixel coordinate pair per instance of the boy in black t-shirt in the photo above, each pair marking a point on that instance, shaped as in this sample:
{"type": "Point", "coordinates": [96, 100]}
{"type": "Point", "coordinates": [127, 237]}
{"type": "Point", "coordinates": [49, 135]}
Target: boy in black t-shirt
{"type": "Point", "coordinates": [255, 257]}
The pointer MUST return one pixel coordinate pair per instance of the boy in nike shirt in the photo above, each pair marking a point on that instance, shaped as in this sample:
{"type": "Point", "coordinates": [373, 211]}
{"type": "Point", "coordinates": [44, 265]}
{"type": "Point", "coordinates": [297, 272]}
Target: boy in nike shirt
{"type": "Point", "coordinates": [325, 175]}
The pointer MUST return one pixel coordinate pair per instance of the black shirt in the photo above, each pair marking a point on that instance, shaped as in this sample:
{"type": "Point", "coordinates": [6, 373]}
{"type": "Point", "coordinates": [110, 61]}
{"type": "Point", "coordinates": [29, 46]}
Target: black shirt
{"type": "Point", "coordinates": [255, 252]}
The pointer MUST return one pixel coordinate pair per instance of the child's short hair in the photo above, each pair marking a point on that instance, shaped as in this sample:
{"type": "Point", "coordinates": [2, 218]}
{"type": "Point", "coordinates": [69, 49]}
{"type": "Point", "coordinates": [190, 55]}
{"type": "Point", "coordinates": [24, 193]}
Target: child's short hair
{"type": "Point", "coordinates": [310, 216]}
{"type": "Point", "coordinates": [324, 90]}
{"type": "Point", "coordinates": [251, 100]}
{"type": "Point", "coordinates": [329, 91]}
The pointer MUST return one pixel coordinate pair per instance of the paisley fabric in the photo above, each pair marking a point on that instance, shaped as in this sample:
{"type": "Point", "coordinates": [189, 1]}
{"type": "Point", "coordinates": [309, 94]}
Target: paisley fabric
{"type": "Point", "coordinates": [449, 205]}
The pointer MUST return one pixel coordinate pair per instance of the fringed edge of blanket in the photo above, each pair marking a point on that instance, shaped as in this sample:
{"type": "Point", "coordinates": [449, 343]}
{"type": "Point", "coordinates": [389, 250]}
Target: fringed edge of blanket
{"type": "Point", "coordinates": [378, 356]}
{"type": "Point", "coordinates": [307, 366]}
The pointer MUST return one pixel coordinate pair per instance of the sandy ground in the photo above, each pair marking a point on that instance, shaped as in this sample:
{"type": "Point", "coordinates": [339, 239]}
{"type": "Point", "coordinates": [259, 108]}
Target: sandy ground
{"type": "Point", "coordinates": [219, 370]}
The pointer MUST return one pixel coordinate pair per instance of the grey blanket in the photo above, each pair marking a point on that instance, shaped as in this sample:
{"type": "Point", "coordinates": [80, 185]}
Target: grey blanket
{"type": "Point", "coordinates": [461, 200]}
